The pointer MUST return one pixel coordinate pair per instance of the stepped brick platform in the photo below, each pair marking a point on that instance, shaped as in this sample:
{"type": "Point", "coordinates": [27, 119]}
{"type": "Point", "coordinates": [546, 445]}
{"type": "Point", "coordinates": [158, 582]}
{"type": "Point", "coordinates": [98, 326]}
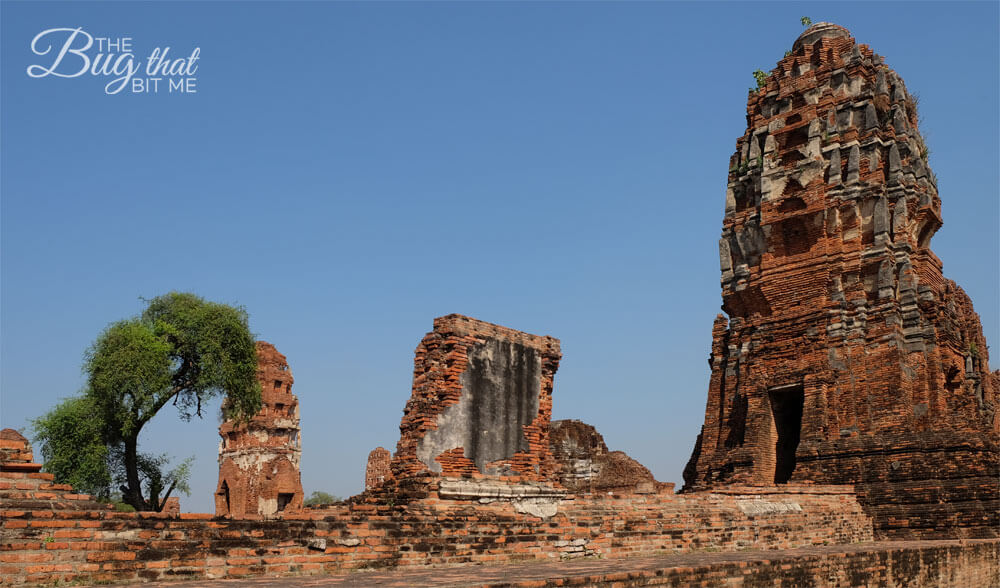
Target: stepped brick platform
{"type": "Point", "coordinates": [938, 564]}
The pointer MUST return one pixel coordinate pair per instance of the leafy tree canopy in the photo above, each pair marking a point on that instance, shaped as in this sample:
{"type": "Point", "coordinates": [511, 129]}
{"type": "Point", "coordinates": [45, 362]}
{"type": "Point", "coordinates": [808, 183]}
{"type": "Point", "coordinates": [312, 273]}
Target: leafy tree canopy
{"type": "Point", "coordinates": [72, 447]}
{"type": "Point", "coordinates": [182, 350]}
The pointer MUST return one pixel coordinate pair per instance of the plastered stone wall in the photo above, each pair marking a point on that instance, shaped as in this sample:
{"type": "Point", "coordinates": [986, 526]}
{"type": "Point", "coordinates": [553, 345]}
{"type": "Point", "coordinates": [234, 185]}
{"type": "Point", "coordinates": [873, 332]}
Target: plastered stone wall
{"type": "Point", "coordinates": [845, 356]}
{"type": "Point", "coordinates": [259, 460]}
{"type": "Point", "coordinates": [481, 404]}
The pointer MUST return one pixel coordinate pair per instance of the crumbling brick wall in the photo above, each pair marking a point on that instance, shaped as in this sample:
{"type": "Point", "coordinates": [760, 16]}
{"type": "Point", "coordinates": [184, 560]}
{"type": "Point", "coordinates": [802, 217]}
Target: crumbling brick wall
{"type": "Point", "coordinates": [481, 403]}
{"type": "Point", "coordinates": [259, 460]}
{"type": "Point", "coordinates": [846, 356]}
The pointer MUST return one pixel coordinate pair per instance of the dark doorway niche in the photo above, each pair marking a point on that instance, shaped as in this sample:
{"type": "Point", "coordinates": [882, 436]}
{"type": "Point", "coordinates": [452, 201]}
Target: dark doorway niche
{"type": "Point", "coordinates": [786, 408]}
{"type": "Point", "coordinates": [284, 500]}
{"type": "Point", "coordinates": [737, 422]}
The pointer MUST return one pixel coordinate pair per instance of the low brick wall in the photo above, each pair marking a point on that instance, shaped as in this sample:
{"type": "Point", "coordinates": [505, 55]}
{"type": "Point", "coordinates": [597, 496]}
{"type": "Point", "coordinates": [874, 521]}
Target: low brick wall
{"type": "Point", "coordinates": [897, 564]}
{"type": "Point", "coordinates": [965, 563]}
{"type": "Point", "coordinates": [45, 539]}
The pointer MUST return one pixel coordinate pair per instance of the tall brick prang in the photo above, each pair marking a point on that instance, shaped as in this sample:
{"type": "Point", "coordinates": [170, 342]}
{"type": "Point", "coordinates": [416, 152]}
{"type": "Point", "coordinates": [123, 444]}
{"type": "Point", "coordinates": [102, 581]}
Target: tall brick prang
{"type": "Point", "coordinates": [846, 356]}
{"type": "Point", "coordinates": [259, 460]}
{"type": "Point", "coordinates": [481, 404]}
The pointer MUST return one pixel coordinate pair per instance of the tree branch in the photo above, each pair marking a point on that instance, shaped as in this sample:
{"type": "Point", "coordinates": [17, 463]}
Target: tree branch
{"type": "Point", "coordinates": [162, 402]}
{"type": "Point", "coordinates": [166, 496]}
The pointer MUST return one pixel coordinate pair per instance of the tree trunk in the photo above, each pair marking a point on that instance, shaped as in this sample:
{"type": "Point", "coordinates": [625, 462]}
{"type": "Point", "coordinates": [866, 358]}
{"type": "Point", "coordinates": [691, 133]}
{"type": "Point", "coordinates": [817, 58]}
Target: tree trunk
{"type": "Point", "coordinates": [133, 493]}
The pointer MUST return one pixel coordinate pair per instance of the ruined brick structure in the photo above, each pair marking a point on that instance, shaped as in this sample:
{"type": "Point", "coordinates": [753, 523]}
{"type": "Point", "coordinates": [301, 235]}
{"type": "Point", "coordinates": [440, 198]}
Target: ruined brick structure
{"type": "Point", "coordinates": [259, 460]}
{"type": "Point", "coordinates": [849, 383]}
{"type": "Point", "coordinates": [584, 463]}
{"type": "Point", "coordinates": [846, 356]}
{"type": "Point", "coordinates": [49, 534]}
{"type": "Point", "coordinates": [378, 469]}
{"type": "Point", "coordinates": [481, 404]}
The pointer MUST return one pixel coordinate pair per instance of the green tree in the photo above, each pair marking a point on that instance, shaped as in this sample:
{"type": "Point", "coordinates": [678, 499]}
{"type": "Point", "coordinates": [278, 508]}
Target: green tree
{"type": "Point", "coordinates": [182, 350]}
{"type": "Point", "coordinates": [806, 21]}
{"type": "Point", "coordinates": [319, 497]}
{"type": "Point", "coordinates": [70, 440]}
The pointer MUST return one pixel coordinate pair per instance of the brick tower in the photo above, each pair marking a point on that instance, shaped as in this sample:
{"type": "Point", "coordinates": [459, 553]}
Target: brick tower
{"type": "Point", "coordinates": [259, 461]}
{"type": "Point", "coordinates": [846, 356]}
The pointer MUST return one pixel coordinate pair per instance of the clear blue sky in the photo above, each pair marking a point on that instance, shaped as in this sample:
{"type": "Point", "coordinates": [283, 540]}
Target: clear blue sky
{"type": "Point", "coordinates": [348, 172]}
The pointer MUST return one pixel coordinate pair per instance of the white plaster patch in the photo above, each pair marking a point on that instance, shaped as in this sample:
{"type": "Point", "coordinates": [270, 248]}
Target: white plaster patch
{"type": "Point", "coordinates": [542, 508]}
{"type": "Point", "coordinates": [255, 461]}
{"type": "Point", "coordinates": [267, 506]}
{"type": "Point", "coordinates": [759, 506]}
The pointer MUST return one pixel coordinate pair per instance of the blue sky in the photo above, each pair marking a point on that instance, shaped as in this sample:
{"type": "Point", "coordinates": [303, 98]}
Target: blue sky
{"type": "Point", "coordinates": [348, 172]}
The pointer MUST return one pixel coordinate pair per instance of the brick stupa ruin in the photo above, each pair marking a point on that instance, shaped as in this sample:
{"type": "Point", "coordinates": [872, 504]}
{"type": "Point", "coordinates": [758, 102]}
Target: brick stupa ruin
{"type": "Point", "coordinates": [259, 460]}
{"type": "Point", "coordinates": [846, 357]}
